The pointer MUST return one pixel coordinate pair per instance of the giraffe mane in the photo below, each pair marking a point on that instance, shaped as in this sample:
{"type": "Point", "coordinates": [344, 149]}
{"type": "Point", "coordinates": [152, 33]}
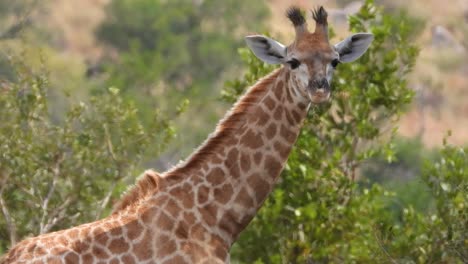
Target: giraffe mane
{"type": "Point", "coordinates": [149, 180]}
{"type": "Point", "coordinates": [225, 127]}
{"type": "Point", "coordinates": [148, 183]}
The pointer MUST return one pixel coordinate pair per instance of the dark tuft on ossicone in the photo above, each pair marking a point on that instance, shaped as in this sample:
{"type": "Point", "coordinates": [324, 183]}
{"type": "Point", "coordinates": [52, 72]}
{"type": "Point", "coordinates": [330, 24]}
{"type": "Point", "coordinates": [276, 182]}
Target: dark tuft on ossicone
{"type": "Point", "coordinates": [320, 15]}
{"type": "Point", "coordinates": [294, 14]}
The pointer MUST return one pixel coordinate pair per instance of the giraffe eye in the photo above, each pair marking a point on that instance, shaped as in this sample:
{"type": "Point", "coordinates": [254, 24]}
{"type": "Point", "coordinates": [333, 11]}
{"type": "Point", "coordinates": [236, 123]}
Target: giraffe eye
{"type": "Point", "coordinates": [294, 63]}
{"type": "Point", "coordinates": [335, 63]}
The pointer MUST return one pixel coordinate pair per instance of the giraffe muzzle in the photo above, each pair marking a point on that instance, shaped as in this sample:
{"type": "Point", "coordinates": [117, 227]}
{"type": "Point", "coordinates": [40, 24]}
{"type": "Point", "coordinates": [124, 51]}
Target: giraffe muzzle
{"type": "Point", "coordinates": [319, 90]}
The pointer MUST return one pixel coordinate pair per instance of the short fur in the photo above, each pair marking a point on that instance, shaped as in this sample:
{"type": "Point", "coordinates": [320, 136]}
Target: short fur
{"type": "Point", "coordinates": [294, 14]}
{"type": "Point", "coordinates": [320, 15]}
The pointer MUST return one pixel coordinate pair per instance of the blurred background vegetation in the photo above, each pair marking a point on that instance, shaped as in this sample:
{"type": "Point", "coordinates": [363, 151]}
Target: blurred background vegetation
{"type": "Point", "coordinates": [93, 92]}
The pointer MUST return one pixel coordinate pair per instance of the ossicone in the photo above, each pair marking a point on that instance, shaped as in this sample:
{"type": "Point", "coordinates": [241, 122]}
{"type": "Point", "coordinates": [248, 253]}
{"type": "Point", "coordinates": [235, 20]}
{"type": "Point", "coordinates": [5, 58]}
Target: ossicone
{"type": "Point", "coordinates": [321, 24]}
{"type": "Point", "coordinates": [296, 16]}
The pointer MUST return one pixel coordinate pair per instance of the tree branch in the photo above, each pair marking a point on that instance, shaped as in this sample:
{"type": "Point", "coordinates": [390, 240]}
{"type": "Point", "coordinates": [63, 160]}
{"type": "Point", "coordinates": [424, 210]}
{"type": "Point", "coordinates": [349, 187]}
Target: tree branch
{"type": "Point", "coordinates": [105, 201]}
{"type": "Point", "coordinates": [15, 29]}
{"type": "Point", "coordinates": [45, 203]}
{"type": "Point", "coordinates": [9, 220]}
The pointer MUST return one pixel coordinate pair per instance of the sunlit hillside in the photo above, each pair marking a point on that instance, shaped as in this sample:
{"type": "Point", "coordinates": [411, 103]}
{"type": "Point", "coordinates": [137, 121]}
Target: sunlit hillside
{"type": "Point", "coordinates": [440, 79]}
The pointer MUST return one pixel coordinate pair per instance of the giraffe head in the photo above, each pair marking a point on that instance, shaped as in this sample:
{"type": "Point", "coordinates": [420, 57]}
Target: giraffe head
{"type": "Point", "coordinates": [310, 59]}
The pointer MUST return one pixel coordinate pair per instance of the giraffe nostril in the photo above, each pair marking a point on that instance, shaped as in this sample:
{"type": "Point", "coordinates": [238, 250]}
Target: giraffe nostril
{"type": "Point", "coordinates": [319, 84]}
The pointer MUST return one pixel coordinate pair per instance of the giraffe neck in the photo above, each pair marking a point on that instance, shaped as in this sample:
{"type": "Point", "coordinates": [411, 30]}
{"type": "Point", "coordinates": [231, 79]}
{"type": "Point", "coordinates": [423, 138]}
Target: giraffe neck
{"type": "Point", "coordinates": [233, 172]}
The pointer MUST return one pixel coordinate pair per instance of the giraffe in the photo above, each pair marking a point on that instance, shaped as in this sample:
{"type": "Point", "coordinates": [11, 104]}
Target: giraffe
{"type": "Point", "coordinates": [194, 212]}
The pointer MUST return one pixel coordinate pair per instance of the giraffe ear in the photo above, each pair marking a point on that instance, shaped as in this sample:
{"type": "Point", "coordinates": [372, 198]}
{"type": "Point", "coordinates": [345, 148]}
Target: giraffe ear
{"type": "Point", "coordinates": [266, 49]}
{"type": "Point", "coordinates": [354, 46]}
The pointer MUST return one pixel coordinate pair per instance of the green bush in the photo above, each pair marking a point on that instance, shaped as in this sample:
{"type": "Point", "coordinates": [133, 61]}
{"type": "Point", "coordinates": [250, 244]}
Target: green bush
{"type": "Point", "coordinates": [320, 212]}
{"type": "Point", "coordinates": [54, 175]}
{"type": "Point", "coordinates": [168, 51]}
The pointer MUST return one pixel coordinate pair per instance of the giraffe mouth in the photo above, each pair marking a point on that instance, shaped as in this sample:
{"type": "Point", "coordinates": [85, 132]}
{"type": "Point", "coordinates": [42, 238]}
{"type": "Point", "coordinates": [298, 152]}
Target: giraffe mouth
{"type": "Point", "coordinates": [319, 95]}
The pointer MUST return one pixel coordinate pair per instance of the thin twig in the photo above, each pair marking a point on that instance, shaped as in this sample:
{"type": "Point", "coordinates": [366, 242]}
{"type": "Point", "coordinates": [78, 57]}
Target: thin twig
{"type": "Point", "coordinates": [6, 213]}
{"type": "Point", "coordinates": [105, 201]}
{"type": "Point", "coordinates": [45, 203]}
{"type": "Point", "coordinates": [382, 247]}
{"type": "Point", "coordinates": [56, 216]}
{"type": "Point", "coordinates": [110, 149]}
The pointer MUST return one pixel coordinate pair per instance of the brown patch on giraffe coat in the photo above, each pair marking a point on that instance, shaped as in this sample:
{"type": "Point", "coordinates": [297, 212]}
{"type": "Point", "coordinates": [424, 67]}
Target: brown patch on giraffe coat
{"type": "Point", "coordinates": [115, 261]}
{"type": "Point", "coordinates": [272, 166]}
{"type": "Point", "coordinates": [269, 102]}
{"type": "Point", "coordinates": [133, 229]}
{"type": "Point", "coordinates": [61, 240]}
{"type": "Point", "coordinates": [245, 161]}
{"type": "Point", "coordinates": [167, 248]}
{"type": "Point", "coordinates": [229, 223]}
{"type": "Point", "coordinates": [223, 194]}
{"type": "Point", "coordinates": [271, 131]}
{"type": "Point", "coordinates": [72, 234]}
{"type": "Point", "coordinates": [261, 187]}
{"type": "Point", "coordinates": [278, 114]}
{"type": "Point", "coordinates": [261, 116]}
{"type": "Point", "coordinates": [149, 215]}
{"type": "Point", "coordinates": [289, 118]}
{"type": "Point", "coordinates": [252, 140]}
{"type": "Point", "coordinates": [297, 116]}
{"type": "Point", "coordinates": [71, 257]}
{"type": "Point", "coordinates": [99, 253]}
{"type": "Point", "coordinates": [232, 157]}
{"type": "Point", "coordinates": [86, 258]}
{"type": "Point", "coordinates": [279, 90]}
{"type": "Point", "coordinates": [216, 160]}
{"type": "Point", "coordinates": [243, 198]}
{"type": "Point", "coordinates": [209, 212]}
{"type": "Point", "coordinates": [53, 260]}
{"type": "Point", "coordinates": [231, 163]}
{"type": "Point", "coordinates": [220, 250]}
{"type": "Point", "coordinates": [118, 245]}
{"type": "Point", "coordinates": [302, 106]}
{"type": "Point", "coordinates": [165, 222]}
{"type": "Point", "coordinates": [142, 250]}
{"type": "Point", "coordinates": [80, 246]}
{"type": "Point", "coordinates": [178, 191]}
{"type": "Point", "coordinates": [116, 230]}
{"type": "Point", "coordinates": [176, 260]}
{"type": "Point", "coordinates": [189, 218]}
{"type": "Point", "coordinates": [97, 230]}
{"type": "Point", "coordinates": [39, 251]}
{"type": "Point", "coordinates": [203, 194]}
{"type": "Point", "coordinates": [173, 208]}
{"type": "Point", "coordinates": [282, 149]}
{"type": "Point", "coordinates": [258, 157]}
{"type": "Point", "coordinates": [197, 232]}
{"type": "Point", "coordinates": [289, 95]}
{"type": "Point", "coordinates": [181, 230]}
{"type": "Point", "coordinates": [195, 251]}
{"type": "Point", "coordinates": [101, 238]}
{"type": "Point", "coordinates": [216, 176]}
{"type": "Point", "coordinates": [188, 199]}
{"type": "Point", "coordinates": [287, 134]}
{"type": "Point", "coordinates": [128, 259]}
